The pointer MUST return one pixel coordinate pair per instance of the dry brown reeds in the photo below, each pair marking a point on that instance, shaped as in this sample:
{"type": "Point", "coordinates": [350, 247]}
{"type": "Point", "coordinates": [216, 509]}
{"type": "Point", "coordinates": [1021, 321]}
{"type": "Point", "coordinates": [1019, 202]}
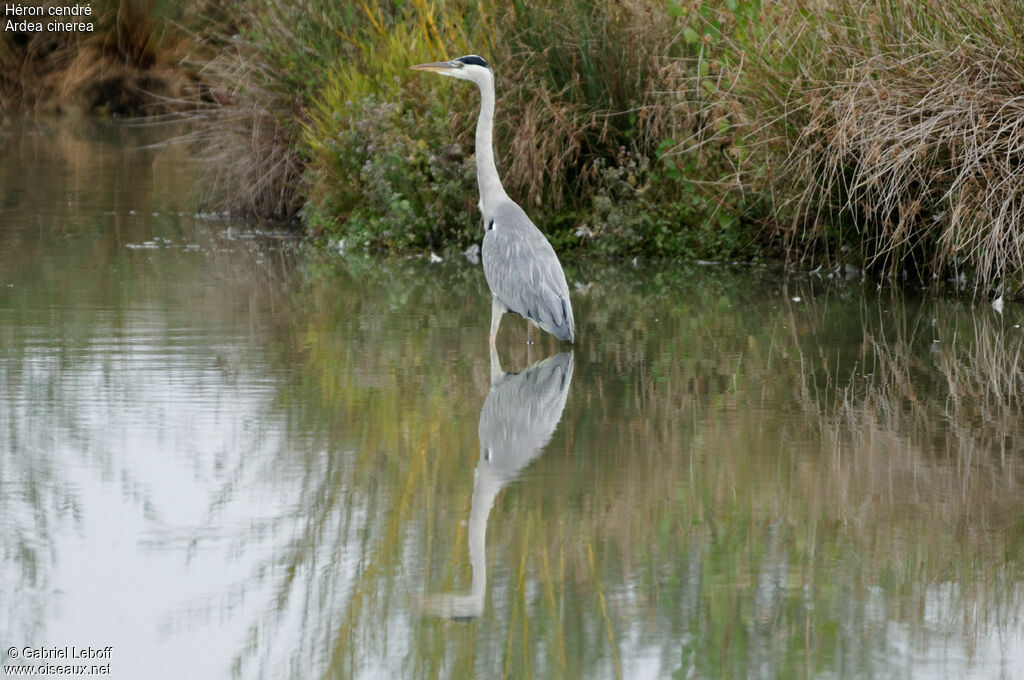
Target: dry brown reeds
{"type": "Point", "coordinates": [263, 81]}
{"type": "Point", "coordinates": [578, 83]}
{"type": "Point", "coordinates": [133, 62]}
{"type": "Point", "coordinates": [256, 167]}
{"type": "Point", "coordinates": [898, 131]}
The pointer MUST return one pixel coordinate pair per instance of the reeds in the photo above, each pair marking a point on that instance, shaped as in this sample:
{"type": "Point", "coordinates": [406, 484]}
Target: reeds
{"type": "Point", "coordinates": [265, 83]}
{"type": "Point", "coordinates": [895, 132]}
{"type": "Point", "coordinates": [578, 125]}
{"type": "Point", "coordinates": [255, 166]}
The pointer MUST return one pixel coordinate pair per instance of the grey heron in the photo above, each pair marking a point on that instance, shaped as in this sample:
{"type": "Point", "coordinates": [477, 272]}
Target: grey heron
{"type": "Point", "coordinates": [521, 267]}
{"type": "Point", "coordinates": [518, 417]}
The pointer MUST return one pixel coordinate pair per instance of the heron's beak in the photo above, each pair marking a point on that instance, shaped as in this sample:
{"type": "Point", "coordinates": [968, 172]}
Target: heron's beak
{"type": "Point", "coordinates": [445, 68]}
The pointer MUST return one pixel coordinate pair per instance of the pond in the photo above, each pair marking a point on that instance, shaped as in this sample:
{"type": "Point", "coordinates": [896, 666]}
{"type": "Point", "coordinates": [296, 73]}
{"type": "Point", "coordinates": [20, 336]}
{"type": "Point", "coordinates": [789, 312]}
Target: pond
{"type": "Point", "coordinates": [224, 454]}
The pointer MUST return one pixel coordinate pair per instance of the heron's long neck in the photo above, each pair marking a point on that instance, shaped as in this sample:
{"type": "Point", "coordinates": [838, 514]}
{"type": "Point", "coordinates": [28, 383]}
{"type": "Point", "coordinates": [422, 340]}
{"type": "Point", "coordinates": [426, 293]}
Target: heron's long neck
{"type": "Point", "coordinates": [486, 170]}
{"type": "Point", "coordinates": [485, 489]}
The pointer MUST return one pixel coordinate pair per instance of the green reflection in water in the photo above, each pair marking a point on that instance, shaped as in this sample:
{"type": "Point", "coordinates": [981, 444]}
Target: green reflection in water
{"type": "Point", "coordinates": [741, 484]}
{"type": "Point", "coordinates": [751, 476]}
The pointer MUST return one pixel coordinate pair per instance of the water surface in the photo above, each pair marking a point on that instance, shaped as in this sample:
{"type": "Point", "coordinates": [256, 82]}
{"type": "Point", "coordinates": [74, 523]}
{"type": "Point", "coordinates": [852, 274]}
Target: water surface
{"type": "Point", "coordinates": [225, 456]}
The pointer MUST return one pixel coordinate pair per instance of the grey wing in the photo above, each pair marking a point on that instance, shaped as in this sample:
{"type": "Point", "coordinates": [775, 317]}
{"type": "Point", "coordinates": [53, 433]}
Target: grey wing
{"type": "Point", "coordinates": [524, 273]}
{"type": "Point", "coordinates": [521, 413]}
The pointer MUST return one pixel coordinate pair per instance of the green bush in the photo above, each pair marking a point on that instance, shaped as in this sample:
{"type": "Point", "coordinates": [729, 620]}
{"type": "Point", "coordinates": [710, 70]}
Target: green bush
{"type": "Point", "coordinates": [390, 181]}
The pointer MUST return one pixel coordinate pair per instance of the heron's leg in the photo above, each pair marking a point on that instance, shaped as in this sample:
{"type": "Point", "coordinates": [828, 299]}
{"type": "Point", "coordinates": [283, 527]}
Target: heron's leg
{"type": "Point", "coordinates": [497, 309]}
{"type": "Point", "coordinates": [529, 332]}
{"type": "Point", "coordinates": [496, 372]}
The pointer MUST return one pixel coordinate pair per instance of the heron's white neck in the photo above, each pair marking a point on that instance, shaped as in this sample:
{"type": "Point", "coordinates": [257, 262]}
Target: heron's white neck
{"type": "Point", "coordinates": [485, 489]}
{"type": "Point", "coordinates": [471, 603]}
{"type": "Point", "coordinates": [487, 178]}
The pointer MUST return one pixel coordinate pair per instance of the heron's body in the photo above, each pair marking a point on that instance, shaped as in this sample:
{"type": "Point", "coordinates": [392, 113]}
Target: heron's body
{"type": "Point", "coordinates": [523, 272]}
{"type": "Point", "coordinates": [521, 267]}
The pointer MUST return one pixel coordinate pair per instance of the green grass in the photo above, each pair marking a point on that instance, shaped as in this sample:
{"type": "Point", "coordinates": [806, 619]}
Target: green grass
{"type": "Point", "coordinates": [387, 152]}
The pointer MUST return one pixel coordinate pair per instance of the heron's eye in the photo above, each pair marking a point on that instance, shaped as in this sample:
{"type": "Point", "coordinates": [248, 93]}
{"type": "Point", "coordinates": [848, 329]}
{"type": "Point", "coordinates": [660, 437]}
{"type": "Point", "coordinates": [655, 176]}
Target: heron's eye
{"type": "Point", "coordinates": [487, 454]}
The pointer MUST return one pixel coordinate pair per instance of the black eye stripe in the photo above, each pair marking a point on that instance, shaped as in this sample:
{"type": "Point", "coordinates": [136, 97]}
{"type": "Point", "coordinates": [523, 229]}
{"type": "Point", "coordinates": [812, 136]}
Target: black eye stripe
{"type": "Point", "coordinates": [474, 60]}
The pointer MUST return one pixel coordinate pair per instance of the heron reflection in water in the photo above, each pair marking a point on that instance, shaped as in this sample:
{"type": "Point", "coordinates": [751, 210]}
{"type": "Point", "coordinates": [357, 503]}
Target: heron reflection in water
{"type": "Point", "coordinates": [518, 418]}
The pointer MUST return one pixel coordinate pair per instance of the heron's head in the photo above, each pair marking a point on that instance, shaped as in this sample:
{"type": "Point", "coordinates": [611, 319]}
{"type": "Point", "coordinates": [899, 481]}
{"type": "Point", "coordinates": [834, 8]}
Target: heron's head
{"type": "Point", "coordinates": [469, 67]}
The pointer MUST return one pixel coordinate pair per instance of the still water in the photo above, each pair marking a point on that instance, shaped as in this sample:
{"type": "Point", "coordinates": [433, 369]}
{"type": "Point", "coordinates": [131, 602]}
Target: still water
{"type": "Point", "coordinates": [222, 455]}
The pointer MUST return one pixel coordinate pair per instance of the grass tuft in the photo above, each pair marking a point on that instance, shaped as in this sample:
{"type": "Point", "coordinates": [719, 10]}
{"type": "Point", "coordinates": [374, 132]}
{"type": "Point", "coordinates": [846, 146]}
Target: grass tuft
{"type": "Point", "coordinates": [896, 132]}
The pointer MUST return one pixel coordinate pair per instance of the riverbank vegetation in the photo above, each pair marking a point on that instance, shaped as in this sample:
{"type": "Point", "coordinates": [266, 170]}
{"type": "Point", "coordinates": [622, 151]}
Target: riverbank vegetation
{"type": "Point", "coordinates": [874, 135]}
{"type": "Point", "coordinates": [882, 136]}
{"type": "Point", "coordinates": [138, 57]}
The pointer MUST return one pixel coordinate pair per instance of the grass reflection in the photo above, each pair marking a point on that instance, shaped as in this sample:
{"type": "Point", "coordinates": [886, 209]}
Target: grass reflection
{"type": "Point", "coordinates": [116, 364]}
{"type": "Point", "coordinates": [737, 488]}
